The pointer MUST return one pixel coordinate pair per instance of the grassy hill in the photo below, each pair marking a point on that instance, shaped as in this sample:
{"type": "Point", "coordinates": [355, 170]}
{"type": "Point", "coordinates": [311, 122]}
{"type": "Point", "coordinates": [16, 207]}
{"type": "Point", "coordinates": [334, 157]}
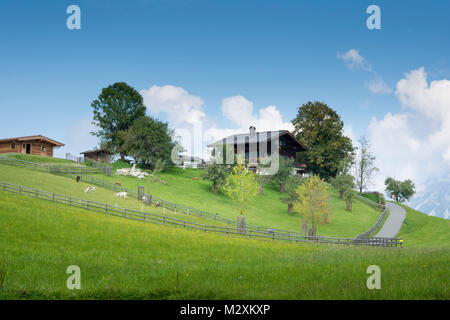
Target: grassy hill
{"type": "Point", "coordinates": [124, 259]}
{"type": "Point", "coordinates": [421, 230]}
{"type": "Point", "coordinates": [268, 210]}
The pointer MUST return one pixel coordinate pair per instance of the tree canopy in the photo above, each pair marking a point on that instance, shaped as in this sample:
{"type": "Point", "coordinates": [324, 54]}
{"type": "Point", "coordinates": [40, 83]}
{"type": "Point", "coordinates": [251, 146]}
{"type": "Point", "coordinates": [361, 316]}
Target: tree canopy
{"type": "Point", "coordinates": [241, 187]}
{"type": "Point", "coordinates": [400, 190]}
{"type": "Point", "coordinates": [148, 140]}
{"type": "Point", "coordinates": [115, 110]}
{"type": "Point", "coordinates": [321, 129]}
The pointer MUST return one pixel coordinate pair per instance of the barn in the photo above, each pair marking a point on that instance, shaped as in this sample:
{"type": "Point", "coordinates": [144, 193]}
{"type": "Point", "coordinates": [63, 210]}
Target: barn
{"type": "Point", "coordinates": [36, 145]}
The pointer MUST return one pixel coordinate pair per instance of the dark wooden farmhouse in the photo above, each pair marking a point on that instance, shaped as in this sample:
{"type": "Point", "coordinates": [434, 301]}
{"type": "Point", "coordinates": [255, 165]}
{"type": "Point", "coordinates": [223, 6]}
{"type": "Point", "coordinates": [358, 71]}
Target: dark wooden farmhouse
{"type": "Point", "coordinates": [36, 145]}
{"type": "Point", "coordinates": [288, 146]}
{"type": "Point", "coordinates": [101, 155]}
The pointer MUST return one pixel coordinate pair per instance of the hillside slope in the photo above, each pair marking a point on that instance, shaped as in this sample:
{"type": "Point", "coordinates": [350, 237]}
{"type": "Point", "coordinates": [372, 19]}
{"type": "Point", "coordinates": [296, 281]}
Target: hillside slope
{"type": "Point", "coordinates": [421, 230]}
{"type": "Point", "coordinates": [267, 211]}
{"type": "Point", "coordinates": [124, 259]}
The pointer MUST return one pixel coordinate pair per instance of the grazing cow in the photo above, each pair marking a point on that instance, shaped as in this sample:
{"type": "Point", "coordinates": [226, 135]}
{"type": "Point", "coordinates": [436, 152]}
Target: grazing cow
{"type": "Point", "coordinates": [89, 189]}
{"type": "Point", "coordinates": [158, 204]}
{"type": "Point", "coordinates": [121, 194]}
{"type": "Point", "coordinates": [118, 183]}
{"type": "Point", "coordinates": [194, 178]}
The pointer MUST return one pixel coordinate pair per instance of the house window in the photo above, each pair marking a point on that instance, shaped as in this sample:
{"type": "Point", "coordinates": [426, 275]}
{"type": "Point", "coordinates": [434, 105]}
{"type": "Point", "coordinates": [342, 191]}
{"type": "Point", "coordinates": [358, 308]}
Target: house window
{"type": "Point", "coordinates": [44, 149]}
{"type": "Point", "coordinates": [13, 145]}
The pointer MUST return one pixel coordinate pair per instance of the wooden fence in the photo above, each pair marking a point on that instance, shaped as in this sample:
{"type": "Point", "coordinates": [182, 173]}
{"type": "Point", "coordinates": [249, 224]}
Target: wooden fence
{"type": "Point", "coordinates": [160, 219]}
{"type": "Point", "coordinates": [51, 168]}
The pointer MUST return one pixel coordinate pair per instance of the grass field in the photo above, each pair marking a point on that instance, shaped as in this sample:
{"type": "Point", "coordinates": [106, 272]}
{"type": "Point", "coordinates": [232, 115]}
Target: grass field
{"type": "Point", "coordinates": [123, 259]}
{"type": "Point", "coordinates": [268, 210]}
{"type": "Point", "coordinates": [420, 230]}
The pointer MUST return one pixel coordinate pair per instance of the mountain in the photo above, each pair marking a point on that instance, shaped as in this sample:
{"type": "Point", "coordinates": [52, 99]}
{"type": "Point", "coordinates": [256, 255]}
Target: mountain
{"type": "Point", "coordinates": [434, 199]}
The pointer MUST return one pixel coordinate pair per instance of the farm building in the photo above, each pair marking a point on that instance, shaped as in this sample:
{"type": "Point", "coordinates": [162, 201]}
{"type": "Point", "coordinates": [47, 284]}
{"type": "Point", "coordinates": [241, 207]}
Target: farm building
{"type": "Point", "coordinates": [36, 145]}
{"type": "Point", "coordinates": [100, 155]}
{"type": "Point", "coordinates": [256, 145]}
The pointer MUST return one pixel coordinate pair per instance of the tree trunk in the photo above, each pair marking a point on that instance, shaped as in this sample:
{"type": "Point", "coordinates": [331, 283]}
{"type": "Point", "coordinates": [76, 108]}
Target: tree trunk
{"type": "Point", "coordinates": [341, 194]}
{"type": "Point", "coordinates": [281, 188]}
{"type": "Point", "coordinates": [261, 189]}
{"type": "Point", "coordinates": [290, 207]}
{"type": "Point", "coordinates": [241, 224]}
{"type": "Point", "coordinates": [214, 188]}
{"type": "Point", "coordinates": [348, 205]}
{"type": "Point", "coordinates": [304, 226]}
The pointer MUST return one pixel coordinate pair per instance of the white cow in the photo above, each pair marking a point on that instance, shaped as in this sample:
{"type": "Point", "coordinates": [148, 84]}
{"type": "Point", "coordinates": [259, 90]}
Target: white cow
{"type": "Point", "coordinates": [89, 189]}
{"type": "Point", "coordinates": [121, 194]}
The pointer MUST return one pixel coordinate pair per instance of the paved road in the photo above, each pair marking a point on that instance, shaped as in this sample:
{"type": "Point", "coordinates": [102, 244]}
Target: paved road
{"type": "Point", "coordinates": [394, 222]}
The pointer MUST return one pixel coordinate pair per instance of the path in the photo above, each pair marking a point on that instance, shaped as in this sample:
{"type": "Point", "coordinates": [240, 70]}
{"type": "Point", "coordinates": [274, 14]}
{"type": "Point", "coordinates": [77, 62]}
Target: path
{"type": "Point", "coordinates": [394, 221]}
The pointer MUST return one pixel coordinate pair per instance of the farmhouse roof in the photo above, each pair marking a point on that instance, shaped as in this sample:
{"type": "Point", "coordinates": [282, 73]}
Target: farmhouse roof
{"type": "Point", "coordinates": [263, 136]}
{"type": "Point", "coordinates": [35, 137]}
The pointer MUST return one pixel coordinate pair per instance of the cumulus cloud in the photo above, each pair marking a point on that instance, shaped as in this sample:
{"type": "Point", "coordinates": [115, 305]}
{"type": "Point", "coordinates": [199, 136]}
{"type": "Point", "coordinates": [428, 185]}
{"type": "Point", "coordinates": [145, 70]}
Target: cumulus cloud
{"type": "Point", "coordinates": [186, 114]}
{"type": "Point", "coordinates": [179, 105]}
{"type": "Point", "coordinates": [414, 143]}
{"type": "Point", "coordinates": [354, 60]}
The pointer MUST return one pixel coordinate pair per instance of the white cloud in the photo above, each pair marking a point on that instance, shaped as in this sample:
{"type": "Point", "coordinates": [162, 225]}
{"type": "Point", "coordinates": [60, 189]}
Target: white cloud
{"type": "Point", "coordinates": [177, 103]}
{"type": "Point", "coordinates": [186, 115]}
{"type": "Point", "coordinates": [378, 86]}
{"type": "Point", "coordinates": [354, 60]}
{"type": "Point", "coordinates": [414, 143]}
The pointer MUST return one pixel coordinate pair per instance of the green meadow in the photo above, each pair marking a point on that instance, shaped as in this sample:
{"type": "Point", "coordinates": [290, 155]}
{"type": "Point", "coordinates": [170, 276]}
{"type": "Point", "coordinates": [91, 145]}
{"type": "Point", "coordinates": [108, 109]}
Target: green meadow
{"type": "Point", "coordinates": [125, 259]}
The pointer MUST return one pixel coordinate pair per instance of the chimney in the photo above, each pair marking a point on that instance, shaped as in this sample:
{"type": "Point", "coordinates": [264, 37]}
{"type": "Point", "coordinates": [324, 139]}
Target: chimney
{"type": "Point", "coordinates": [252, 130]}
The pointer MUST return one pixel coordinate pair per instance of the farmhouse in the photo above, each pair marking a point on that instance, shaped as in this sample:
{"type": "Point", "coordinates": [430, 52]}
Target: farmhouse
{"type": "Point", "coordinates": [101, 155]}
{"type": "Point", "coordinates": [257, 145]}
{"type": "Point", "coordinates": [37, 145]}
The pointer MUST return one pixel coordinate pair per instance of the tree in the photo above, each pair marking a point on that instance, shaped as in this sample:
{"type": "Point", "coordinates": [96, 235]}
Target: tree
{"type": "Point", "coordinates": [284, 171]}
{"type": "Point", "coordinates": [216, 173]}
{"type": "Point", "coordinates": [262, 177]}
{"type": "Point", "coordinates": [241, 187]}
{"type": "Point", "coordinates": [148, 140]}
{"type": "Point", "coordinates": [313, 200]}
{"type": "Point", "coordinates": [342, 183]}
{"type": "Point", "coordinates": [400, 190]}
{"type": "Point", "coordinates": [115, 110]}
{"type": "Point", "coordinates": [348, 197]}
{"type": "Point", "coordinates": [290, 191]}
{"type": "Point", "coordinates": [364, 165]}
{"type": "Point", "coordinates": [321, 129]}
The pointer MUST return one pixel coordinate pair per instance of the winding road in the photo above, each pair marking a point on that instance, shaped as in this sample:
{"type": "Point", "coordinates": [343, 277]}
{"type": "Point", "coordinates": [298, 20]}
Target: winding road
{"type": "Point", "coordinates": [393, 222]}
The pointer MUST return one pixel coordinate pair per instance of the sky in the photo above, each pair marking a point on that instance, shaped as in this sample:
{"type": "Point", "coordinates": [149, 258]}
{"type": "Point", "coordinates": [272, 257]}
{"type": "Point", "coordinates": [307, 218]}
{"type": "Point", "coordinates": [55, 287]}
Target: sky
{"type": "Point", "coordinates": [221, 66]}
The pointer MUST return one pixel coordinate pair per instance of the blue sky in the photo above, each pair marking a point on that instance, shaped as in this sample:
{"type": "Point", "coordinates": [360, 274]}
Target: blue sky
{"type": "Point", "coordinates": [280, 53]}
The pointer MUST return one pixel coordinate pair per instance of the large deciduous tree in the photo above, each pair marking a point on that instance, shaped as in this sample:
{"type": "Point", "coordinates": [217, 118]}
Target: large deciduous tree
{"type": "Point", "coordinates": [115, 110]}
{"type": "Point", "coordinates": [321, 129]}
{"type": "Point", "coordinates": [401, 191]}
{"type": "Point", "coordinates": [148, 140]}
{"type": "Point", "coordinates": [365, 167]}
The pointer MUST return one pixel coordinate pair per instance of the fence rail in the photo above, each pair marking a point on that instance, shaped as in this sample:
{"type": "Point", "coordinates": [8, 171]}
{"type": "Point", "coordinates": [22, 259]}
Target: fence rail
{"type": "Point", "coordinates": [160, 219]}
{"type": "Point", "coordinates": [51, 168]}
